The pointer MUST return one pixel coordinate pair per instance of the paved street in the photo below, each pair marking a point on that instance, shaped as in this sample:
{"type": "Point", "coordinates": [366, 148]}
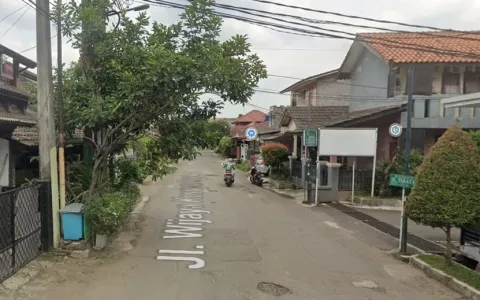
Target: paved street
{"type": "Point", "coordinates": [202, 240]}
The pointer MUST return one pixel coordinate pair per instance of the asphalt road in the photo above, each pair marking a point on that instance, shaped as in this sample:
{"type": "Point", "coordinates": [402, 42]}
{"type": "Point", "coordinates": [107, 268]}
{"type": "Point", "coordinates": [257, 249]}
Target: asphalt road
{"type": "Point", "coordinates": [248, 236]}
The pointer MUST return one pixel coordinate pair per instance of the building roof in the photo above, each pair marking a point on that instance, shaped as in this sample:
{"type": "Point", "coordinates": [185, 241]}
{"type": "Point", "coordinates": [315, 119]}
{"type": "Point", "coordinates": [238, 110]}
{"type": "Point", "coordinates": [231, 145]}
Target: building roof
{"type": "Point", "coordinates": [304, 82]}
{"type": "Point", "coordinates": [4, 87]}
{"type": "Point", "coordinates": [251, 116]}
{"type": "Point", "coordinates": [319, 115]}
{"type": "Point", "coordinates": [360, 115]}
{"type": "Point", "coordinates": [426, 47]}
{"type": "Point", "coordinates": [29, 135]}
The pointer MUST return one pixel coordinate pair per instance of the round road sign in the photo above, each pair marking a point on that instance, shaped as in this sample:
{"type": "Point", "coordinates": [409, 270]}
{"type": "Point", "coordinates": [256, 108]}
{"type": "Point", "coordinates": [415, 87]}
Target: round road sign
{"type": "Point", "coordinates": [395, 130]}
{"type": "Point", "coordinates": [251, 133]}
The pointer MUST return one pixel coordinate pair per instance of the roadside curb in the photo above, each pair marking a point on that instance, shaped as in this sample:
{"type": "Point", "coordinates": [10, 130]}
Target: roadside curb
{"type": "Point", "coordinates": [447, 280]}
{"type": "Point", "coordinates": [129, 232]}
{"type": "Point", "coordinates": [387, 208]}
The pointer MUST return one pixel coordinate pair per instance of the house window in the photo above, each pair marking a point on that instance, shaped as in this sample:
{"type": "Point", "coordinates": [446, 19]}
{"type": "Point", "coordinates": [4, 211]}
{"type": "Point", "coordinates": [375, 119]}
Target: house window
{"type": "Point", "coordinates": [294, 99]}
{"type": "Point", "coordinates": [472, 83]}
{"type": "Point", "coordinates": [423, 80]}
{"type": "Point", "coordinates": [450, 82]}
{"type": "Point", "coordinates": [427, 109]}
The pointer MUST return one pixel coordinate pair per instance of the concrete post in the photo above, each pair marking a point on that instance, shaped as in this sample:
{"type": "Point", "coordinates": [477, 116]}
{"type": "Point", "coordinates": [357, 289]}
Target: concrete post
{"type": "Point", "coordinates": [290, 165]}
{"type": "Point", "coordinates": [333, 179]}
{"type": "Point", "coordinates": [304, 172]}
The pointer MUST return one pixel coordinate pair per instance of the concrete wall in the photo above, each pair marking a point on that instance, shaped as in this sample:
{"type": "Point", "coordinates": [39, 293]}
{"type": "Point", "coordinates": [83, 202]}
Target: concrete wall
{"type": "Point", "coordinates": [4, 162]}
{"type": "Point", "coordinates": [330, 92]}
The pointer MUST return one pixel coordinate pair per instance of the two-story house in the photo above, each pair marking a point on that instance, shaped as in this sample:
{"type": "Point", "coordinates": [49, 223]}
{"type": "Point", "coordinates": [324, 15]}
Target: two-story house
{"type": "Point", "coordinates": [373, 75]}
{"type": "Point", "coordinates": [14, 110]}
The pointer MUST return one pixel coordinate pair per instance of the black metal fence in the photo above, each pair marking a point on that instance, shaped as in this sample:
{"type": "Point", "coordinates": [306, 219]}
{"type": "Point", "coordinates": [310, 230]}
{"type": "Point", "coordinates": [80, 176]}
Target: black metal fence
{"type": "Point", "coordinates": [312, 174]}
{"type": "Point", "coordinates": [25, 226]}
{"type": "Point", "coordinates": [363, 179]}
{"type": "Point", "coordinates": [297, 169]}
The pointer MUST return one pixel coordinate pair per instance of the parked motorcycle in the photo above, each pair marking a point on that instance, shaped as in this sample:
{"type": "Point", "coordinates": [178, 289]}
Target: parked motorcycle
{"type": "Point", "coordinates": [255, 176]}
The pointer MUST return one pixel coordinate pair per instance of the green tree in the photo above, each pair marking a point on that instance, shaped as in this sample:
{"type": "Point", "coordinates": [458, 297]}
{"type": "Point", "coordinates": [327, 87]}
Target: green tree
{"type": "Point", "coordinates": [139, 78]}
{"type": "Point", "coordinates": [215, 130]}
{"type": "Point", "coordinates": [224, 145]}
{"type": "Point", "coordinates": [447, 186]}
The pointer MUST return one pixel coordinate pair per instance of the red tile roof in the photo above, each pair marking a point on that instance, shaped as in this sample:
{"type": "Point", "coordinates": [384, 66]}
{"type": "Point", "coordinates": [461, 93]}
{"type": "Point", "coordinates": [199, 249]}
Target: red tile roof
{"type": "Point", "coordinates": [454, 47]}
{"type": "Point", "coordinates": [252, 116]}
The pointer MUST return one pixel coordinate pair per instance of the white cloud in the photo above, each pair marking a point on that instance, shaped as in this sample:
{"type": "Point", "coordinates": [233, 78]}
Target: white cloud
{"type": "Point", "coordinates": [322, 55]}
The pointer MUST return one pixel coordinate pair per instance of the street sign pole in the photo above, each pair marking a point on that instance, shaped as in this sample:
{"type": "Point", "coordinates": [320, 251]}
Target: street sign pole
{"type": "Point", "coordinates": [404, 227]}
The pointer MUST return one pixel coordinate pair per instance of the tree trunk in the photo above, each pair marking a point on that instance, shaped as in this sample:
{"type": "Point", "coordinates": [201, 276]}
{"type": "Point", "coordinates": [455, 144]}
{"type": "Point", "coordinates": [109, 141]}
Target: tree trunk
{"type": "Point", "coordinates": [448, 252]}
{"type": "Point", "coordinates": [95, 176]}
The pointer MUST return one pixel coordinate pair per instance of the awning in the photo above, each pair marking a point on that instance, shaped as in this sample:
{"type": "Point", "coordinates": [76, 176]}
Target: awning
{"type": "Point", "coordinates": [468, 100]}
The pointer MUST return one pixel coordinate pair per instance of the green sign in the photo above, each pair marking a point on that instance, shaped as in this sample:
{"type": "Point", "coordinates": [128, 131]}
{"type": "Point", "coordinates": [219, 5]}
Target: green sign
{"type": "Point", "coordinates": [403, 181]}
{"type": "Point", "coordinates": [310, 138]}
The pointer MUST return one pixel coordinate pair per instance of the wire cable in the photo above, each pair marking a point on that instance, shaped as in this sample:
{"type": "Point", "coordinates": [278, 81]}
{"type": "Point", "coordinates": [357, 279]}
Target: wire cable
{"type": "Point", "coordinates": [12, 13]}
{"type": "Point", "coordinates": [14, 23]}
{"type": "Point", "coordinates": [358, 17]}
{"type": "Point", "coordinates": [373, 40]}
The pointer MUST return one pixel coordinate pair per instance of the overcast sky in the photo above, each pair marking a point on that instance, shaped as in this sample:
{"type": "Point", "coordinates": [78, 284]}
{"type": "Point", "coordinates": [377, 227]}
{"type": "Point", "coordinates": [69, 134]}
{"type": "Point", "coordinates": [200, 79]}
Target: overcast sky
{"type": "Point", "coordinates": [283, 54]}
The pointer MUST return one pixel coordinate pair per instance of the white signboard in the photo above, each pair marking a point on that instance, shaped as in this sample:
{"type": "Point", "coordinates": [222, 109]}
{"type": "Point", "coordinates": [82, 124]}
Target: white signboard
{"type": "Point", "coordinates": [348, 142]}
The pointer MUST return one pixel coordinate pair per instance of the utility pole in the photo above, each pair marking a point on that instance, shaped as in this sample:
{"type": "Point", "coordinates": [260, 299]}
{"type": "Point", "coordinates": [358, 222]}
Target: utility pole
{"type": "Point", "coordinates": [404, 227]}
{"type": "Point", "coordinates": [61, 126]}
{"type": "Point", "coordinates": [46, 118]}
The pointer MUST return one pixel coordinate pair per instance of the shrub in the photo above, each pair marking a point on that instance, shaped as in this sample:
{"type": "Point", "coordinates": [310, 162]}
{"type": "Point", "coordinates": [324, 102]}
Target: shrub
{"type": "Point", "coordinates": [385, 168]}
{"type": "Point", "coordinates": [107, 213]}
{"type": "Point", "coordinates": [131, 192]}
{"type": "Point", "coordinates": [243, 166]}
{"type": "Point", "coordinates": [224, 145]}
{"type": "Point", "coordinates": [447, 186]}
{"type": "Point", "coordinates": [274, 155]}
{"type": "Point", "coordinates": [79, 178]}
{"type": "Point", "coordinates": [127, 170]}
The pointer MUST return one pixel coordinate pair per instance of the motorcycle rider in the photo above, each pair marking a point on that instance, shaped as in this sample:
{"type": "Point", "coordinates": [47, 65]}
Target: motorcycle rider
{"type": "Point", "coordinates": [229, 166]}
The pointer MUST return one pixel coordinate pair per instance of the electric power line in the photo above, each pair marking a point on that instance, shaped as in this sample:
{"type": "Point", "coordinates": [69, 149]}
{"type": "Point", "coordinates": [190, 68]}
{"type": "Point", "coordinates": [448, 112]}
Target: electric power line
{"type": "Point", "coordinates": [14, 23]}
{"type": "Point", "coordinates": [300, 31]}
{"type": "Point", "coordinates": [248, 10]}
{"type": "Point", "coordinates": [358, 17]}
{"type": "Point", "coordinates": [12, 13]}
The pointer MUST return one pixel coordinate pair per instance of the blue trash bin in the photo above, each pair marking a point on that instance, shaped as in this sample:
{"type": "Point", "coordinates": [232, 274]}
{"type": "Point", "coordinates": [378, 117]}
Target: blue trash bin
{"type": "Point", "coordinates": [73, 222]}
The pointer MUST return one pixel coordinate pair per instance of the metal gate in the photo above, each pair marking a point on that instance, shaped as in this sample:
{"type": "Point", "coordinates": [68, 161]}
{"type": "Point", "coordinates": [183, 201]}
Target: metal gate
{"type": "Point", "coordinates": [25, 226]}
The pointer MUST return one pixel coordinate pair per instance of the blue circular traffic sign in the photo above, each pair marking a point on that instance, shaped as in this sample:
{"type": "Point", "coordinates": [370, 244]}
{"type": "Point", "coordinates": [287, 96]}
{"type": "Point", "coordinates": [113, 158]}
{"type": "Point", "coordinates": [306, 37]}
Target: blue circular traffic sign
{"type": "Point", "coordinates": [251, 133]}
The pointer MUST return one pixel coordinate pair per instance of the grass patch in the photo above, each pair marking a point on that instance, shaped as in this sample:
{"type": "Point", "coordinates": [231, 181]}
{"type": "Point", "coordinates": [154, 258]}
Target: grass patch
{"type": "Point", "coordinates": [243, 166]}
{"type": "Point", "coordinates": [457, 271]}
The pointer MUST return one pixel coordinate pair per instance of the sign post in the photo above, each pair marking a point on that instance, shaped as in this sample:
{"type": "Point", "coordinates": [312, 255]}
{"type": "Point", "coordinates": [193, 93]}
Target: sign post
{"type": "Point", "coordinates": [405, 182]}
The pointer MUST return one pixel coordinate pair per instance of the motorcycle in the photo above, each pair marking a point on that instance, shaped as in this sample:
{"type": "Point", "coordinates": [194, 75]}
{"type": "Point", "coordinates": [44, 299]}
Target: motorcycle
{"type": "Point", "coordinates": [255, 176]}
{"type": "Point", "coordinates": [228, 177]}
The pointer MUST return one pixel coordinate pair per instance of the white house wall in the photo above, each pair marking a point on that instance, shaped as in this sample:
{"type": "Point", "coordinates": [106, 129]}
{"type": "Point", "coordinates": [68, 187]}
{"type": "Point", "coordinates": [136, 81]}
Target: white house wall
{"type": "Point", "coordinates": [369, 71]}
{"type": "Point", "coordinates": [330, 92]}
